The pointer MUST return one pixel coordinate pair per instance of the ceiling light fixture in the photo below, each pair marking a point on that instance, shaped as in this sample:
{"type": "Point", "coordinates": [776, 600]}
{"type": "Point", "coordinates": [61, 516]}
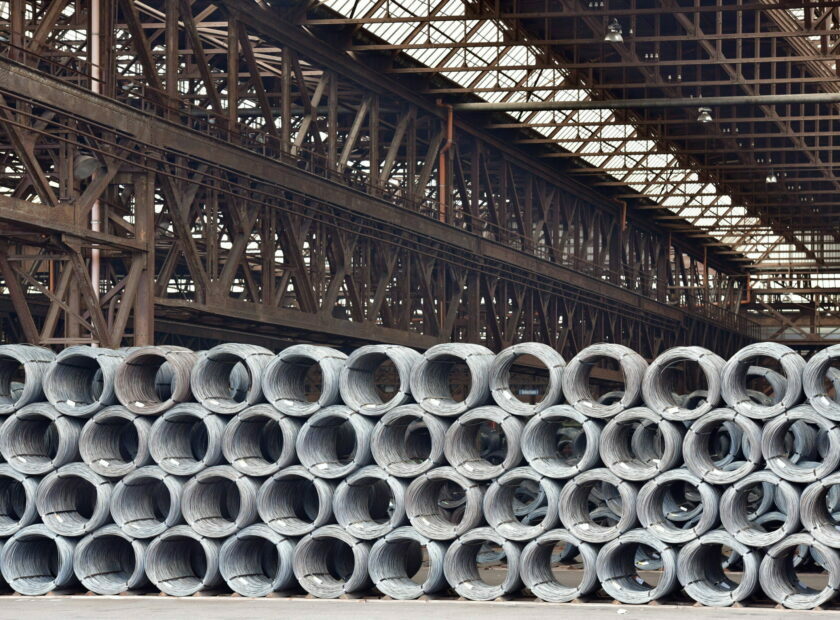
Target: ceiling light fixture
{"type": "Point", "coordinates": [614, 32]}
{"type": "Point", "coordinates": [704, 115]}
{"type": "Point", "coordinates": [771, 177]}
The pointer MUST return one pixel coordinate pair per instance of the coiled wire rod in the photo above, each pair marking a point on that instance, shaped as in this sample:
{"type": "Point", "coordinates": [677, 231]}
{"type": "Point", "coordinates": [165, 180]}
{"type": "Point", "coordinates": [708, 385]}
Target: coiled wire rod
{"type": "Point", "coordinates": [398, 556]}
{"type": "Point", "coordinates": [115, 442]}
{"type": "Point", "coordinates": [700, 567]}
{"type": "Point", "coordinates": [575, 505]}
{"type": "Point", "coordinates": [460, 565]}
{"type": "Point", "coordinates": [500, 510]}
{"type": "Point", "coordinates": [147, 502]}
{"type": "Point", "coordinates": [815, 384]}
{"type": "Point", "coordinates": [153, 379]}
{"type": "Point", "coordinates": [285, 379]}
{"type": "Point", "coordinates": [186, 439]}
{"type": "Point", "coordinates": [80, 380]}
{"type": "Point", "coordinates": [358, 378]}
{"type": "Point", "coordinates": [779, 579]}
{"type": "Point", "coordinates": [744, 525]}
{"type": "Point", "coordinates": [408, 441]}
{"type": "Point", "coordinates": [665, 519]}
{"type": "Point", "coordinates": [734, 379]}
{"type": "Point", "coordinates": [578, 370]}
{"type": "Point", "coordinates": [722, 469]}
{"type": "Point", "coordinates": [777, 383]}
{"type": "Point", "coordinates": [656, 386]}
{"type": "Point", "coordinates": [108, 561]}
{"type": "Point", "coordinates": [548, 450]}
{"type": "Point", "coordinates": [437, 519]}
{"type": "Point", "coordinates": [335, 442]}
{"type": "Point", "coordinates": [181, 562]}
{"type": "Point", "coordinates": [818, 512]}
{"type": "Point", "coordinates": [37, 439]}
{"type": "Point", "coordinates": [213, 377]}
{"type": "Point", "coordinates": [35, 561]}
{"type": "Point", "coordinates": [257, 561]}
{"type": "Point", "coordinates": [430, 378]}
{"type": "Point", "coordinates": [219, 501]}
{"type": "Point", "coordinates": [34, 361]}
{"type": "Point", "coordinates": [260, 441]}
{"type": "Point", "coordinates": [462, 444]}
{"type": "Point", "coordinates": [17, 500]}
{"type": "Point", "coordinates": [536, 567]}
{"type": "Point", "coordinates": [369, 503]}
{"type": "Point", "coordinates": [330, 562]}
{"type": "Point", "coordinates": [500, 377]}
{"type": "Point", "coordinates": [74, 500]}
{"type": "Point", "coordinates": [294, 502]}
{"type": "Point", "coordinates": [617, 568]}
{"type": "Point", "coordinates": [775, 450]}
{"type": "Point", "coordinates": [638, 444]}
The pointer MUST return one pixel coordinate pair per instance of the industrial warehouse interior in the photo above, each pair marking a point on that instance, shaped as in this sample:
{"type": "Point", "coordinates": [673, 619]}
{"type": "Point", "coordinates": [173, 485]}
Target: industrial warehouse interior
{"type": "Point", "coordinates": [401, 308]}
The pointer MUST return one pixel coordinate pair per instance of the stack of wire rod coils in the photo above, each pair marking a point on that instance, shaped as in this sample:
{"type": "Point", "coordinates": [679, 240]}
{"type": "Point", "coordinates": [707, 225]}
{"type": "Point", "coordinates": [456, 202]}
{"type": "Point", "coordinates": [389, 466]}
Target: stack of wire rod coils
{"type": "Point", "coordinates": [238, 469]}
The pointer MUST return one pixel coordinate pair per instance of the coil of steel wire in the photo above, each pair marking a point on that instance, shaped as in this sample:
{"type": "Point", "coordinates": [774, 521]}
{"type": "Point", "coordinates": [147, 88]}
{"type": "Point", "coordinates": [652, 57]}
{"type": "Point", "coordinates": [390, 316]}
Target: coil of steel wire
{"type": "Point", "coordinates": [260, 441]}
{"type": "Point", "coordinates": [775, 450]}
{"type": "Point", "coordinates": [17, 500]}
{"type": "Point", "coordinates": [740, 521]}
{"type": "Point", "coordinates": [74, 500]}
{"type": "Point", "coordinates": [147, 502]}
{"type": "Point", "coordinates": [358, 386]}
{"type": "Point", "coordinates": [408, 441]}
{"type": "Point", "coordinates": [722, 468]}
{"type": "Point", "coordinates": [430, 378]}
{"type": "Point", "coordinates": [80, 380]}
{"type": "Point", "coordinates": [212, 377]}
{"type": "Point", "coordinates": [578, 370]}
{"type": "Point", "coordinates": [34, 362]}
{"type": "Point", "coordinates": [115, 442]}
{"type": "Point", "coordinates": [285, 379]}
{"type": "Point", "coordinates": [616, 568]}
{"type": "Point", "coordinates": [460, 565]}
{"type": "Point", "coordinates": [463, 449]}
{"type": "Point", "coordinates": [734, 379]}
{"type": "Point", "coordinates": [330, 562]}
{"type": "Point", "coordinates": [369, 503]}
{"type": "Point", "coordinates": [37, 439]}
{"type": "Point", "coordinates": [819, 509]}
{"type": "Point", "coordinates": [437, 518]}
{"type": "Point", "coordinates": [575, 500]}
{"type": "Point", "coordinates": [186, 439]}
{"type": "Point", "coordinates": [501, 512]}
{"type": "Point", "coordinates": [219, 501]}
{"type": "Point", "coordinates": [701, 571]}
{"type": "Point", "coordinates": [548, 448]}
{"type": "Point", "coordinates": [294, 502]}
{"type": "Point", "coordinates": [656, 386]}
{"type": "Point", "coordinates": [780, 582]}
{"type": "Point", "coordinates": [334, 442]}
{"type": "Point", "coordinates": [818, 382]}
{"type": "Point", "coordinates": [638, 444]}
{"type": "Point", "coordinates": [500, 377]}
{"type": "Point", "coordinates": [536, 567]}
{"type": "Point", "coordinates": [398, 556]}
{"type": "Point", "coordinates": [181, 562]}
{"type": "Point", "coordinates": [108, 561]}
{"type": "Point", "coordinates": [36, 561]}
{"type": "Point", "coordinates": [667, 522]}
{"type": "Point", "coordinates": [153, 379]}
{"type": "Point", "coordinates": [257, 561]}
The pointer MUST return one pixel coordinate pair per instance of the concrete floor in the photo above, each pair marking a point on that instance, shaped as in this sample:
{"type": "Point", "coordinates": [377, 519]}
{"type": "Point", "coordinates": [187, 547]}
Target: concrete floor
{"type": "Point", "coordinates": [132, 607]}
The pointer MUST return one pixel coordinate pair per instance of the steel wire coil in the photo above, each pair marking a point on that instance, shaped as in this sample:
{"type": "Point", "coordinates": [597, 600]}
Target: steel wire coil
{"type": "Point", "coordinates": [398, 555]}
{"type": "Point", "coordinates": [500, 377]}
{"type": "Point", "coordinates": [734, 379]}
{"type": "Point", "coordinates": [153, 379]}
{"type": "Point", "coordinates": [801, 470]}
{"type": "Point", "coordinates": [536, 567]}
{"type": "Point", "coordinates": [578, 370]}
{"type": "Point", "coordinates": [181, 562]}
{"type": "Point", "coordinates": [335, 442]}
{"type": "Point", "coordinates": [430, 378]}
{"type": "Point", "coordinates": [433, 517]}
{"type": "Point", "coordinates": [285, 379]}
{"type": "Point", "coordinates": [108, 561]}
{"type": "Point", "coordinates": [80, 380]}
{"type": "Point", "coordinates": [817, 372]}
{"type": "Point", "coordinates": [369, 503]}
{"type": "Point", "coordinates": [776, 381]}
{"type": "Point", "coordinates": [818, 509]}
{"type": "Point", "coordinates": [357, 381]}
{"type": "Point", "coordinates": [629, 444]}
{"type": "Point", "coordinates": [657, 391]}
{"type": "Point", "coordinates": [460, 565]}
{"type": "Point", "coordinates": [543, 451]}
{"type": "Point", "coordinates": [257, 561]}
{"type": "Point", "coordinates": [501, 513]}
{"type": "Point", "coordinates": [74, 500]}
{"type": "Point", "coordinates": [186, 439]}
{"type": "Point", "coordinates": [213, 377]}
{"type": "Point", "coordinates": [743, 524]}
{"type": "Point", "coordinates": [574, 506]}
{"type": "Point", "coordinates": [260, 440]}
{"type": "Point", "coordinates": [667, 522]}
{"type": "Point", "coordinates": [697, 447]}
{"type": "Point", "coordinates": [37, 439]}
{"type": "Point", "coordinates": [34, 361]}
{"type": "Point", "coordinates": [462, 445]}
{"type": "Point", "coordinates": [616, 568]}
{"type": "Point", "coordinates": [701, 571]}
{"type": "Point", "coordinates": [330, 562]}
{"type": "Point", "coordinates": [780, 582]}
{"type": "Point", "coordinates": [115, 442]}
{"type": "Point", "coordinates": [147, 502]}
{"type": "Point", "coordinates": [219, 501]}
{"type": "Point", "coordinates": [295, 502]}
{"type": "Point", "coordinates": [35, 561]}
{"type": "Point", "coordinates": [408, 441]}
{"type": "Point", "coordinates": [17, 500]}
